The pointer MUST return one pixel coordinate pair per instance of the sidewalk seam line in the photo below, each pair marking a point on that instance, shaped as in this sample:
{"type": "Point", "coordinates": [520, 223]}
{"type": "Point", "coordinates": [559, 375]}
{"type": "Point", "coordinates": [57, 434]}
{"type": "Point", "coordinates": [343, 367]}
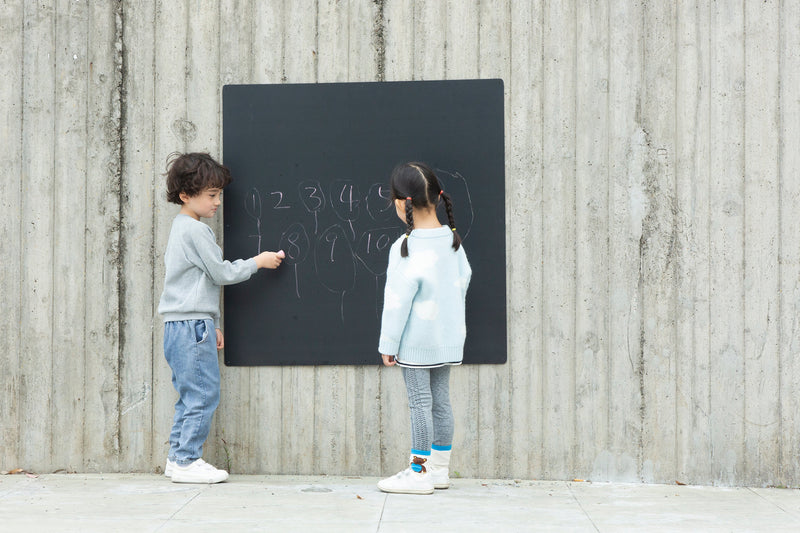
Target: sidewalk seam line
{"type": "Point", "coordinates": [383, 508]}
{"type": "Point", "coordinates": [569, 486]}
{"type": "Point", "coordinates": [750, 489]}
{"type": "Point", "coordinates": [181, 508]}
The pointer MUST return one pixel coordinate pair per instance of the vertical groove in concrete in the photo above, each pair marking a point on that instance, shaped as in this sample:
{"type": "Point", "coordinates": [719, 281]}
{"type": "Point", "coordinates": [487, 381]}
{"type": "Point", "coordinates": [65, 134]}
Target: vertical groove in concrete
{"type": "Point", "coordinates": [119, 118]}
{"type": "Point", "coordinates": [379, 39]}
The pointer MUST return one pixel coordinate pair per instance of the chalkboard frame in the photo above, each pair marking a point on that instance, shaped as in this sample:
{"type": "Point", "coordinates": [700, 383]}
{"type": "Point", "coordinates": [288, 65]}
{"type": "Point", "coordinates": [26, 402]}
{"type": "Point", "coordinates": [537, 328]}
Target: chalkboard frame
{"type": "Point", "coordinates": [294, 150]}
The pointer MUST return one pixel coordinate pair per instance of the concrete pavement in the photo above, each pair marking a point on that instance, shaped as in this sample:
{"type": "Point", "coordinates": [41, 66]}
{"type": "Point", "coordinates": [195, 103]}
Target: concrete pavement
{"type": "Point", "coordinates": [150, 502]}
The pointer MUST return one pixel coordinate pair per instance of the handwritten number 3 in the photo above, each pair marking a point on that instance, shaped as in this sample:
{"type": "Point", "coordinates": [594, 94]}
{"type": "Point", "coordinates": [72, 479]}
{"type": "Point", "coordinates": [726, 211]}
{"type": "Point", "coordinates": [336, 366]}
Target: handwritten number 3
{"type": "Point", "coordinates": [315, 195]}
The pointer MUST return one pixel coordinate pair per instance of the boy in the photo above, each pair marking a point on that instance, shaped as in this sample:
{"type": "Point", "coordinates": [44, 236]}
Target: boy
{"type": "Point", "coordinates": [189, 306]}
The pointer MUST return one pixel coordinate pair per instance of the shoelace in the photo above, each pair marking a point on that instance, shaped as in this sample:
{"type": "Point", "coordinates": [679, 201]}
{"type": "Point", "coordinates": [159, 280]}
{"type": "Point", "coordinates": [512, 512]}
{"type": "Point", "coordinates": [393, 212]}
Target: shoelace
{"type": "Point", "coordinates": [205, 466]}
{"type": "Point", "coordinates": [404, 473]}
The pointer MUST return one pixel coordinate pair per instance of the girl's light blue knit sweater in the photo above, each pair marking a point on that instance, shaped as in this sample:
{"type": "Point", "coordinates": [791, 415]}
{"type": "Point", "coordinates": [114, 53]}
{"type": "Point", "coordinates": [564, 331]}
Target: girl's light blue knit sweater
{"type": "Point", "coordinates": [423, 306]}
{"type": "Point", "coordinates": [195, 271]}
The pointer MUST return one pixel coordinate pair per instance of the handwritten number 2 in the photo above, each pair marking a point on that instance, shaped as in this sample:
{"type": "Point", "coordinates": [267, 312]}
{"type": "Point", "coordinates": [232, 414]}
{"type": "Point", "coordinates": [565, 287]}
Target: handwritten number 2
{"type": "Point", "coordinates": [278, 205]}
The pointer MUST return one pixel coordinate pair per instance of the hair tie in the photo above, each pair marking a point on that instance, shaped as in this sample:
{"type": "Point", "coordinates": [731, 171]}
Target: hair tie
{"type": "Point", "coordinates": [453, 229]}
{"type": "Point", "coordinates": [408, 198]}
{"type": "Point", "coordinates": [406, 235]}
{"type": "Point", "coordinates": [441, 192]}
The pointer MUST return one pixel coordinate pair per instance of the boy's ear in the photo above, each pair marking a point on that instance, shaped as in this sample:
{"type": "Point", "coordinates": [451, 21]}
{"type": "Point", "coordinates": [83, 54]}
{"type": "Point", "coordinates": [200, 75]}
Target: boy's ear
{"type": "Point", "coordinates": [184, 197]}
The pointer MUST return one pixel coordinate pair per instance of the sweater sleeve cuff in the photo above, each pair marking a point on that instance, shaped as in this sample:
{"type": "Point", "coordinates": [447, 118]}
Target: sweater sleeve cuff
{"type": "Point", "coordinates": [388, 346]}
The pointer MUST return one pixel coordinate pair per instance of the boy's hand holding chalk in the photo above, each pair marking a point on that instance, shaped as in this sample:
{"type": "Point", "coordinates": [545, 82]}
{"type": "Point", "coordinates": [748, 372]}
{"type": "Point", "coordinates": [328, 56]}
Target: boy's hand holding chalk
{"type": "Point", "coordinates": [270, 259]}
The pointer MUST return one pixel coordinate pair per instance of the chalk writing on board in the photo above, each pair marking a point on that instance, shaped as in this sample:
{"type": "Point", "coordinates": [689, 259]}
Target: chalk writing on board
{"type": "Point", "coordinates": [373, 248]}
{"type": "Point", "coordinates": [313, 199]}
{"type": "Point", "coordinates": [277, 196]}
{"type": "Point", "coordinates": [332, 233]}
{"type": "Point", "coordinates": [252, 206]}
{"type": "Point", "coordinates": [346, 202]}
{"type": "Point", "coordinates": [295, 244]}
{"type": "Point", "coordinates": [372, 252]}
{"type": "Point", "coordinates": [334, 262]}
{"type": "Point", "coordinates": [456, 186]}
{"type": "Point", "coordinates": [379, 202]}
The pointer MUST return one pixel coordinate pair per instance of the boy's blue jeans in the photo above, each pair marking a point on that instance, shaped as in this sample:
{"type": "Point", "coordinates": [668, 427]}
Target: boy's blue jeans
{"type": "Point", "coordinates": [190, 347]}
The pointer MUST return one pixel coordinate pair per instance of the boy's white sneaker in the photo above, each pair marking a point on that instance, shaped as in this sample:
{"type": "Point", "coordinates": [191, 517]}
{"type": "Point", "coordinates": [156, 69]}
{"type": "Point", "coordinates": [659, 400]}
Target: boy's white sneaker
{"type": "Point", "coordinates": [168, 468]}
{"type": "Point", "coordinates": [197, 472]}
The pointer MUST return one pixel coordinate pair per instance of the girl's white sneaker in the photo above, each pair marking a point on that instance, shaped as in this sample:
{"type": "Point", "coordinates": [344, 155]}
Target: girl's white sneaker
{"type": "Point", "coordinates": [439, 467]}
{"type": "Point", "coordinates": [197, 472]}
{"type": "Point", "coordinates": [440, 478]}
{"type": "Point", "coordinates": [408, 481]}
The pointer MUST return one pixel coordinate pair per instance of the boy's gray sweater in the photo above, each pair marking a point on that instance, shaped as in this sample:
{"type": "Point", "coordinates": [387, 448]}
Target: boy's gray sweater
{"type": "Point", "coordinates": [195, 271]}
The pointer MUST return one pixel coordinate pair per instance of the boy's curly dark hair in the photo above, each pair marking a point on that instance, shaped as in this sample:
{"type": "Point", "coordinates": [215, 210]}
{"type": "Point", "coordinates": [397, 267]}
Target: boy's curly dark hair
{"type": "Point", "coordinates": [192, 174]}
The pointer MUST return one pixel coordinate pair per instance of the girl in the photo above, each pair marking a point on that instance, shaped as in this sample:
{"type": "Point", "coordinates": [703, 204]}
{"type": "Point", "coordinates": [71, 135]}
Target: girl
{"type": "Point", "coordinates": [422, 328]}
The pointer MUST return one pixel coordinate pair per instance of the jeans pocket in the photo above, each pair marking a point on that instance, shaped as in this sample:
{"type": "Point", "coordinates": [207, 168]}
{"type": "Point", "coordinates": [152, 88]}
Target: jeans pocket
{"type": "Point", "coordinates": [200, 331]}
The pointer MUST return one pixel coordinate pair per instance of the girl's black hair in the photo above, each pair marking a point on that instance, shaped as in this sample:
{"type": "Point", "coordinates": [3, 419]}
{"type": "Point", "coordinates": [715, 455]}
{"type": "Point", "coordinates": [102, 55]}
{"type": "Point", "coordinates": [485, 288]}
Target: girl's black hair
{"type": "Point", "coordinates": [192, 174]}
{"type": "Point", "coordinates": [418, 185]}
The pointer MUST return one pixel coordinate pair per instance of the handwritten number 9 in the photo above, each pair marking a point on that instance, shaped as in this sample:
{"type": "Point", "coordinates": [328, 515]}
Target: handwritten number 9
{"type": "Point", "coordinates": [330, 238]}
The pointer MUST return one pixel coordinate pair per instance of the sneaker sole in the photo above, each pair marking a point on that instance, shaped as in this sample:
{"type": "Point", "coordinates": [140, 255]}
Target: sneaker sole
{"type": "Point", "coordinates": [198, 481]}
{"type": "Point", "coordinates": [407, 491]}
{"type": "Point", "coordinates": [442, 486]}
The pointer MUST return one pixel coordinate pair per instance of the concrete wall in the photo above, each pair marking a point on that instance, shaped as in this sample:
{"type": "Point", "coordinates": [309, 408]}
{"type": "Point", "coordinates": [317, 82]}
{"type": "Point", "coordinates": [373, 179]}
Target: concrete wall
{"type": "Point", "coordinates": [653, 240]}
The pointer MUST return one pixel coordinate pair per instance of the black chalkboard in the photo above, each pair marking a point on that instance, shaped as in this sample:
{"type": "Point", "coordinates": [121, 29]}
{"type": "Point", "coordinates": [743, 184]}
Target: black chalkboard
{"type": "Point", "coordinates": [311, 164]}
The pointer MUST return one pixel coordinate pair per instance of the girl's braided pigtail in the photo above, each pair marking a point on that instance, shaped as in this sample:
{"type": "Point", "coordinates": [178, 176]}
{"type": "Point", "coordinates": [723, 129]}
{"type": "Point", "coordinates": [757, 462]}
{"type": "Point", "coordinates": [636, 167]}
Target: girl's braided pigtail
{"type": "Point", "coordinates": [448, 204]}
{"type": "Point", "coordinates": [409, 226]}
